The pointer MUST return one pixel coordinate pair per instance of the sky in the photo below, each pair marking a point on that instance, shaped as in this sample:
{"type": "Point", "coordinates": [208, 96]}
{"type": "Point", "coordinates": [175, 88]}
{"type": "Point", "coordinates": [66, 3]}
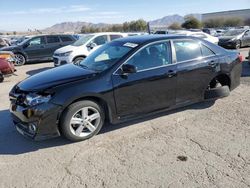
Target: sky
{"type": "Point", "coordinates": [21, 15]}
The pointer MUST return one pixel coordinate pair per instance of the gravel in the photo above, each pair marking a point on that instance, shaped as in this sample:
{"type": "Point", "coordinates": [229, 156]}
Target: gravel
{"type": "Point", "coordinates": [203, 145]}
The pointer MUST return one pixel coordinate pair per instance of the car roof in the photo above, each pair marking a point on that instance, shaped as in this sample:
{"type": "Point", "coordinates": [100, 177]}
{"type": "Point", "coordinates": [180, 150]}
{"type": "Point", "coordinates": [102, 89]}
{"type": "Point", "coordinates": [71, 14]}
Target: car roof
{"type": "Point", "coordinates": [106, 33]}
{"type": "Point", "coordinates": [151, 38]}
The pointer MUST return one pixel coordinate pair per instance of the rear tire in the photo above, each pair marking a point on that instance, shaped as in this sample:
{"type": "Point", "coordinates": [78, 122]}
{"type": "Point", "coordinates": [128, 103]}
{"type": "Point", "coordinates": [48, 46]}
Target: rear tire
{"type": "Point", "coordinates": [77, 60]}
{"type": "Point", "coordinates": [82, 120]}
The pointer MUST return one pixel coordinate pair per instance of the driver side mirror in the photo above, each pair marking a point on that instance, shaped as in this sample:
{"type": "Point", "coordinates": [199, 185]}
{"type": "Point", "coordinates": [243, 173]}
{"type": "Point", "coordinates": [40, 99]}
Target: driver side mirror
{"type": "Point", "coordinates": [128, 69]}
{"type": "Point", "coordinates": [91, 45]}
{"type": "Point", "coordinates": [26, 45]}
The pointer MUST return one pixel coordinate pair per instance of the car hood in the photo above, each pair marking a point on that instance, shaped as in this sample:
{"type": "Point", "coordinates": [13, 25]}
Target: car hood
{"type": "Point", "coordinates": [65, 49]}
{"type": "Point", "coordinates": [54, 77]}
{"type": "Point", "coordinates": [227, 37]}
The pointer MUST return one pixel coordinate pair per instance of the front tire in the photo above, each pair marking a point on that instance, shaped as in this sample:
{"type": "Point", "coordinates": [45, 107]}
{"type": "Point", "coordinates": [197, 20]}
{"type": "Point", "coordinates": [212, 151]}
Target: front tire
{"type": "Point", "coordinates": [78, 60]}
{"type": "Point", "coordinates": [82, 120]}
{"type": "Point", "coordinates": [19, 60]}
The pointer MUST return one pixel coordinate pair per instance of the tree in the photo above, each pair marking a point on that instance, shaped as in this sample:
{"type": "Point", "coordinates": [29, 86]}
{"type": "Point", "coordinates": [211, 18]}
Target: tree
{"type": "Point", "coordinates": [138, 25]}
{"type": "Point", "coordinates": [233, 22]}
{"type": "Point", "coordinates": [214, 23]}
{"type": "Point", "coordinates": [175, 26]}
{"type": "Point", "coordinates": [191, 23]}
{"type": "Point", "coordinates": [85, 29]}
{"type": "Point", "coordinates": [224, 22]}
{"type": "Point", "coordinates": [125, 26]}
{"type": "Point", "coordinates": [247, 21]}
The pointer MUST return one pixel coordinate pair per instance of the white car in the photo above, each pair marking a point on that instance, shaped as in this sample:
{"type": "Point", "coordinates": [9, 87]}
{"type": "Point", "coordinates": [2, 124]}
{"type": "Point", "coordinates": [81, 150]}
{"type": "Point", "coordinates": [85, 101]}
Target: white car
{"type": "Point", "coordinates": [198, 34]}
{"type": "Point", "coordinates": [85, 45]}
{"type": "Point", "coordinates": [205, 36]}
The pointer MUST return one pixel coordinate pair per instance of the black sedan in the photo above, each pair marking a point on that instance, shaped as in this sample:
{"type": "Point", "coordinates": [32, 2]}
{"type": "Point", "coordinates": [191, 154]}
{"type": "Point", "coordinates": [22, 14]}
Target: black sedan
{"type": "Point", "coordinates": [235, 39]}
{"type": "Point", "coordinates": [38, 48]}
{"type": "Point", "coordinates": [122, 80]}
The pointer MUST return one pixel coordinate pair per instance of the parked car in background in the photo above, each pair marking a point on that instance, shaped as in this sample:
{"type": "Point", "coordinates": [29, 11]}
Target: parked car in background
{"type": "Point", "coordinates": [4, 43]}
{"type": "Point", "coordinates": [220, 32]}
{"type": "Point", "coordinates": [205, 36]}
{"type": "Point", "coordinates": [161, 32]}
{"type": "Point", "coordinates": [235, 38]}
{"type": "Point", "coordinates": [198, 34]}
{"type": "Point", "coordinates": [210, 31]}
{"type": "Point", "coordinates": [6, 66]}
{"type": "Point", "coordinates": [7, 55]}
{"type": "Point", "coordinates": [80, 49]}
{"type": "Point", "coordinates": [18, 39]}
{"type": "Point", "coordinates": [39, 48]}
{"type": "Point", "coordinates": [124, 79]}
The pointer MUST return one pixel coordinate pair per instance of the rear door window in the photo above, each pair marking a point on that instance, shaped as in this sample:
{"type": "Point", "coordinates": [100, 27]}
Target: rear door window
{"type": "Point", "coordinates": [52, 39]}
{"type": "Point", "coordinates": [187, 50]}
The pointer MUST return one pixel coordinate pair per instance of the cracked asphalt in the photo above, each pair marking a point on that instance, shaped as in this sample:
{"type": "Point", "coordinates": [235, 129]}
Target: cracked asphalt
{"type": "Point", "coordinates": [203, 145]}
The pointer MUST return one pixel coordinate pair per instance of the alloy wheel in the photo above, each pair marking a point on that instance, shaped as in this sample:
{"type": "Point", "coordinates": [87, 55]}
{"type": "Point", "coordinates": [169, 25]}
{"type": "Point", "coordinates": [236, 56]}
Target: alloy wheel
{"type": "Point", "coordinates": [19, 59]}
{"type": "Point", "coordinates": [85, 121]}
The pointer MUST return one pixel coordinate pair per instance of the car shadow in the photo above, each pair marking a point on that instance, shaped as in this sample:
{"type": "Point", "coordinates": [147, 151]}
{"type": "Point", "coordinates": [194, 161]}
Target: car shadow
{"type": "Point", "coordinates": [12, 143]}
{"type": "Point", "coordinates": [33, 72]}
{"type": "Point", "coordinates": [245, 69]}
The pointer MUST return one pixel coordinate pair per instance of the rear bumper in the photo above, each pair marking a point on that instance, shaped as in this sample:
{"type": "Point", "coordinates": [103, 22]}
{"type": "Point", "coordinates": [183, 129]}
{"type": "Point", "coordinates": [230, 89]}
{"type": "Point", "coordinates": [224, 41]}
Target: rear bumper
{"type": "Point", "coordinates": [43, 117]}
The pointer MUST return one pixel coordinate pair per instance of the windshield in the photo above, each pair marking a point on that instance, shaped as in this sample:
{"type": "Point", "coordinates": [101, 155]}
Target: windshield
{"type": "Point", "coordinates": [105, 56]}
{"type": "Point", "coordinates": [23, 41]}
{"type": "Point", "coordinates": [82, 40]}
{"type": "Point", "coordinates": [233, 32]}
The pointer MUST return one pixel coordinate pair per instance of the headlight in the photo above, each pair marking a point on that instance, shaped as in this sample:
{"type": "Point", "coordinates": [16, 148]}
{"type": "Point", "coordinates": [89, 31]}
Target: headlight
{"type": "Point", "coordinates": [233, 39]}
{"type": "Point", "coordinates": [65, 54]}
{"type": "Point", "coordinates": [34, 99]}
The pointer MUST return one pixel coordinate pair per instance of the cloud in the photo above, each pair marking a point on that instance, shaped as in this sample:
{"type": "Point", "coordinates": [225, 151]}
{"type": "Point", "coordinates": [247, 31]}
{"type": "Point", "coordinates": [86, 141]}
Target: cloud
{"type": "Point", "coordinates": [106, 13]}
{"type": "Point", "coordinates": [58, 10]}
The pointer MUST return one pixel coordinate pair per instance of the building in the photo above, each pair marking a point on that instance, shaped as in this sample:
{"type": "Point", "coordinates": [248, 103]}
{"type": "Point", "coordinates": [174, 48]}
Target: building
{"type": "Point", "coordinates": [243, 14]}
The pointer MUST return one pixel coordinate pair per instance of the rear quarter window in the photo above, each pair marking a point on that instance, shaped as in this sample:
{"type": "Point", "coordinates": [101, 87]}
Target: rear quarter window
{"type": "Point", "coordinates": [52, 39]}
{"type": "Point", "coordinates": [206, 51]}
{"type": "Point", "coordinates": [66, 39]}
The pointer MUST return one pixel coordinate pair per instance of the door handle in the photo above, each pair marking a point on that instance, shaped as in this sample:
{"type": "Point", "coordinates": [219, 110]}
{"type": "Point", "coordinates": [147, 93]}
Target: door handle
{"type": "Point", "coordinates": [171, 73]}
{"type": "Point", "coordinates": [212, 64]}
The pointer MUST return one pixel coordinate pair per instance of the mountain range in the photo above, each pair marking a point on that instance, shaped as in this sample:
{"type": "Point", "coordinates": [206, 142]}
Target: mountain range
{"type": "Point", "coordinates": [76, 26]}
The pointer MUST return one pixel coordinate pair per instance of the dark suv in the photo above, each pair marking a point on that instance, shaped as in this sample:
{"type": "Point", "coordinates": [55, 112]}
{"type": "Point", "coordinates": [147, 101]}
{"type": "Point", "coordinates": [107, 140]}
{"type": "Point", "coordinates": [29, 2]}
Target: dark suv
{"type": "Point", "coordinates": [39, 48]}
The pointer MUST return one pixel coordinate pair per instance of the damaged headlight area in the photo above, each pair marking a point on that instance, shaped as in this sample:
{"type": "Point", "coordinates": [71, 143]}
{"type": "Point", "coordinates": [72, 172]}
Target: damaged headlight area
{"type": "Point", "coordinates": [33, 99]}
